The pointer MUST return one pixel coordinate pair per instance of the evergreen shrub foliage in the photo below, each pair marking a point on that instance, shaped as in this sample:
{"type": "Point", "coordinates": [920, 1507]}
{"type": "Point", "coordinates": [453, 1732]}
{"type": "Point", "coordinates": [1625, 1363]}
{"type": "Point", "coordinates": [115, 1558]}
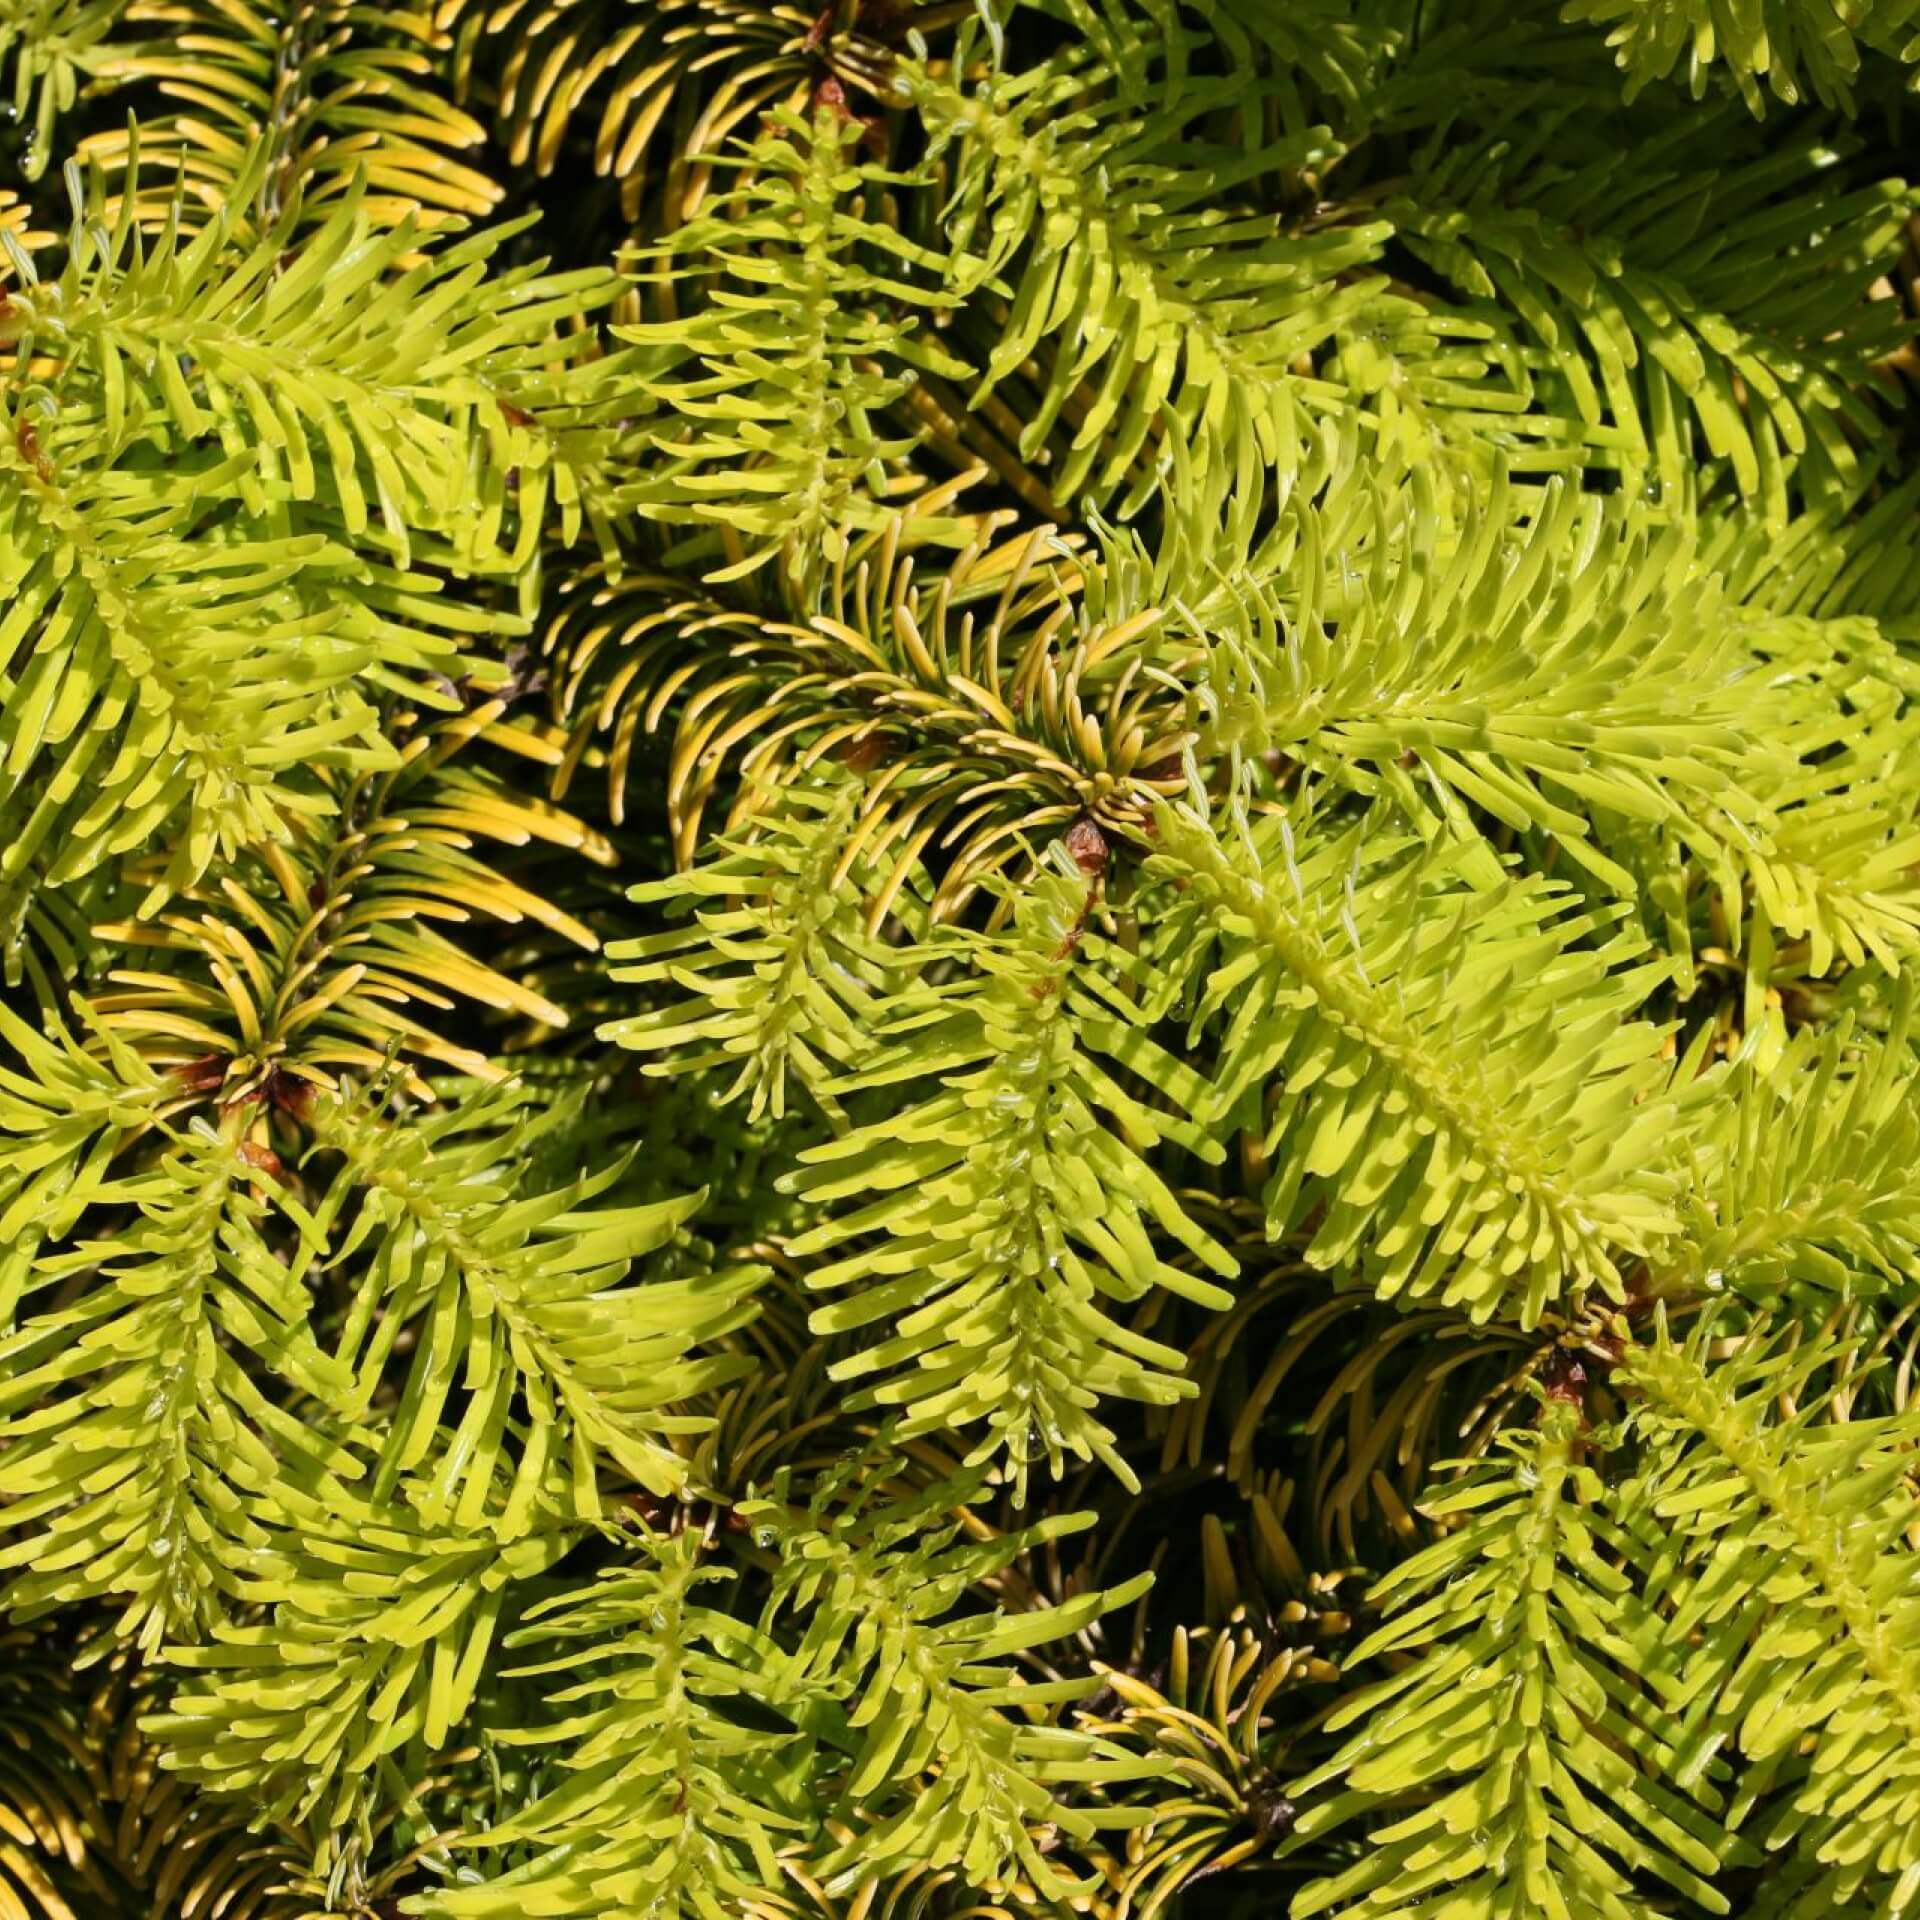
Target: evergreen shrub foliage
{"type": "Point", "coordinates": [958, 959]}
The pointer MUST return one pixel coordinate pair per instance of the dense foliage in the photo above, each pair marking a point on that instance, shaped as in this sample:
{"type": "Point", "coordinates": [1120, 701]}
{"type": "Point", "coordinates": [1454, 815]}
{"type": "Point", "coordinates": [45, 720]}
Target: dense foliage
{"type": "Point", "coordinates": [958, 959]}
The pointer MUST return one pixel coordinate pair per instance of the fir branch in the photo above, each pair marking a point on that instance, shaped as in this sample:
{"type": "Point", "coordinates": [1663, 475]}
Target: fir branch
{"type": "Point", "coordinates": [1521, 1750]}
{"type": "Point", "coordinates": [1001, 1211]}
{"type": "Point", "coordinates": [1394, 1031]}
{"type": "Point", "coordinates": [563, 1365]}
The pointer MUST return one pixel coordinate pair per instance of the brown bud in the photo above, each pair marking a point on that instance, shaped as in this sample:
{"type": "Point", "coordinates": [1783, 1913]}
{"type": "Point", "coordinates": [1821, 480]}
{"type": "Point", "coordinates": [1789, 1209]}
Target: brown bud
{"type": "Point", "coordinates": [1271, 1815]}
{"type": "Point", "coordinates": [862, 755]}
{"type": "Point", "coordinates": [648, 1507]}
{"type": "Point", "coordinates": [1566, 1379]}
{"type": "Point", "coordinates": [204, 1074]}
{"type": "Point", "coordinates": [264, 1158]}
{"type": "Point", "coordinates": [290, 1093]}
{"type": "Point", "coordinates": [1088, 846]}
{"type": "Point", "coordinates": [26, 437]}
